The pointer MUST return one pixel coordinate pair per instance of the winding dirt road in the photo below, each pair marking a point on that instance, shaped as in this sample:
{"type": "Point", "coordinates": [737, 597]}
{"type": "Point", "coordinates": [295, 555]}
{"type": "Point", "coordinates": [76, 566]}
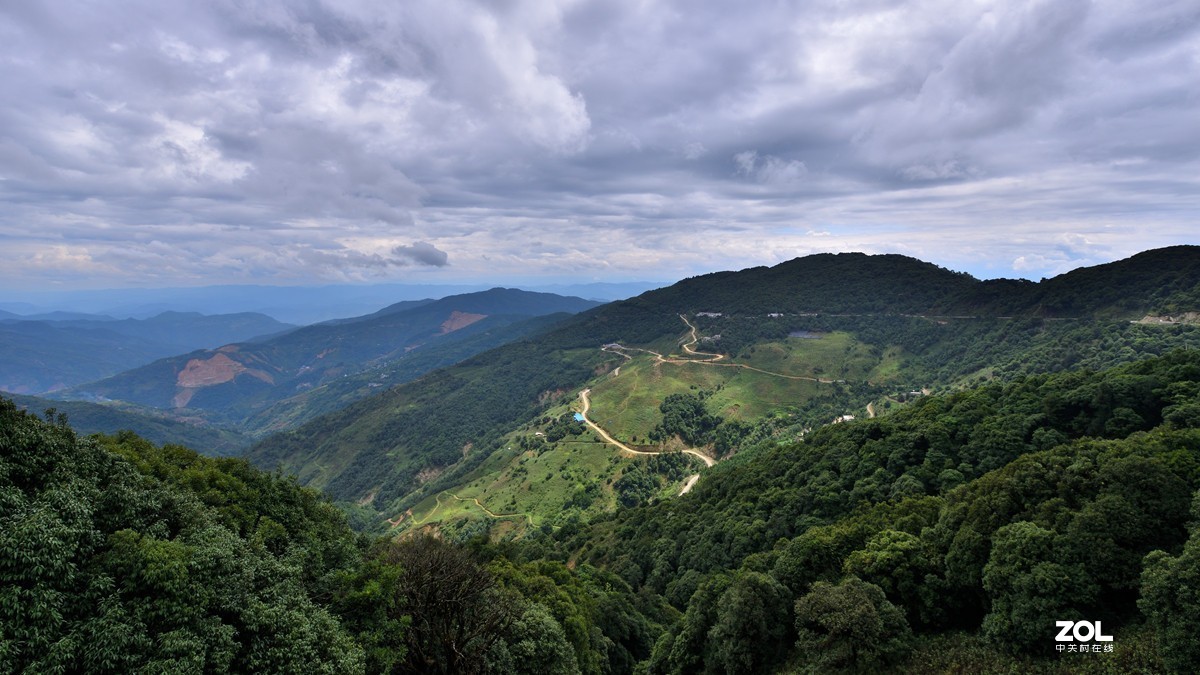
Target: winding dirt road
{"type": "Point", "coordinates": [437, 500]}
{"type": "Point", "coordinates": [485, 509]}
{"type": "Point", "coordinates": [587, 405]}
{"type": "Point", "coordinates": [691, 481]}
{"type": "Point", "coordinates": [619, 349]}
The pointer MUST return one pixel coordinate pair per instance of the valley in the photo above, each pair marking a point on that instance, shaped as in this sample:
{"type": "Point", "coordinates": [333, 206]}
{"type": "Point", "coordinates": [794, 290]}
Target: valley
{"type": "Point", "coordinates": [737, 375]}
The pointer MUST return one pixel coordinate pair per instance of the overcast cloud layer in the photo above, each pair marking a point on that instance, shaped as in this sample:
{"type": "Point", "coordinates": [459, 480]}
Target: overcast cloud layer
{"type": "Point", "coordinates": [167, 143]}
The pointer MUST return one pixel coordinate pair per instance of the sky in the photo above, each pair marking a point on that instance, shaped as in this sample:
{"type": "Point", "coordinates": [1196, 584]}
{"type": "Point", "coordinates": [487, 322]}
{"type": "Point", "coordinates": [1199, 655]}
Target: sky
{"type": "Point", "coordinates": [164, 143]}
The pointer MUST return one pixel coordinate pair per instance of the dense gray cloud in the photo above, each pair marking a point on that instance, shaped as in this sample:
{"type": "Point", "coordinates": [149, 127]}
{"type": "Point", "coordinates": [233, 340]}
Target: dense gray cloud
{"type": "Point", "coordinates": [422, 253]}
{"type": "Point", "coordinates": [151, 142]}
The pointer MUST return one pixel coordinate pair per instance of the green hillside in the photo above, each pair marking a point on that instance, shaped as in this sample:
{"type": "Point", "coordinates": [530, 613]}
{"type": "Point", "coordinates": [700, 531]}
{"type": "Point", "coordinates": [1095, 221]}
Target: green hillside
{"type": "Point", "coordinates": [153, 425]}
{"type": "Point", "coordinates": [118, 556]}
{"type": "Point", "coordinates": [824, 351]}
{"type": "Point", "coordinates": [966, 518]}
{"type": "Point", "coordinates": [658, 486]}
{"type": "Point", "coordinates": [339, 393]}
{"type": "Point", "coordinates": [936, 539]}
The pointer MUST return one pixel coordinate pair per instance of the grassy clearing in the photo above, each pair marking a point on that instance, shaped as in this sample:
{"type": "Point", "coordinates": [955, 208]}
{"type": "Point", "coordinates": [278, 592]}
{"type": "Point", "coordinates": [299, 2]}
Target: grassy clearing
{"type": "Point", "coordinates": [627, 406]}
{"type": "Point", "coordinates": [751, 396]}
{"type": "Point", "coordinates": [545, 485]}
{"type": "Point", "coordinates": [836, 356]}
{"type": "Point", "coordinates": [891, 366]}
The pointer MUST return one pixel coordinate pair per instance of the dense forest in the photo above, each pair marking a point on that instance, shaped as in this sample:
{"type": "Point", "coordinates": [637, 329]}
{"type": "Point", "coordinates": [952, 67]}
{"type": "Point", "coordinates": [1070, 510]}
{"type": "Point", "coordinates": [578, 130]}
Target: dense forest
{"type": "Point", "coordinates": [939, 537]}
{"type": "Point", "coordinates": [985, 511]}
{"type": "Point", "coordinates": [119, 556]}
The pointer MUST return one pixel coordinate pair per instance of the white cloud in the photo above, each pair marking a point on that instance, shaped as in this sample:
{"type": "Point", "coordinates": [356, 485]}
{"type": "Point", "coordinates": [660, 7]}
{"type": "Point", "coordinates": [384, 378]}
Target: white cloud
{"type": "Point", "coordinates": [224, 141]}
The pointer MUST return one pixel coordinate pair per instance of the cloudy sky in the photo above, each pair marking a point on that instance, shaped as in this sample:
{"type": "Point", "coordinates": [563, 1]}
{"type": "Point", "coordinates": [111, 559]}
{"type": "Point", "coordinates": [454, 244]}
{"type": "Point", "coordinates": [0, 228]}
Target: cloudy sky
{"type": "Point", "coordinates": [163, 143]}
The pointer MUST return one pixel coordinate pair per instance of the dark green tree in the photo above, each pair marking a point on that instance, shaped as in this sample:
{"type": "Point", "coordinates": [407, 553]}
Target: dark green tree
{"type": "Point", "coordinates": [850, 626]}
{"type": "Point", "coordinates": [458, 611]}
{"type": "Point", "coordinates": [534, 644]}
{"type": "Point", "coordinates": [753, 623]}
{"type": "Point", "coordinates": [1171, 600]}
{"type": "Point", "coordinates": [1029, 586]}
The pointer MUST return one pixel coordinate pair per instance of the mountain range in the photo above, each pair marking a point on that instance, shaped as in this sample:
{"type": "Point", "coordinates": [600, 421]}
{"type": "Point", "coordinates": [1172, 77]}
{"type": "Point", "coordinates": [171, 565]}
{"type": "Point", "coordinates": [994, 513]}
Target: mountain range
{"type": "Point", "coordinates": [50, 352]}
{"type": "Point", "coordinates": [890, 325]}
{"type": "Point", "coordinates": [842, 463]}
{"type": "Point", "coordinates": [237, 381]}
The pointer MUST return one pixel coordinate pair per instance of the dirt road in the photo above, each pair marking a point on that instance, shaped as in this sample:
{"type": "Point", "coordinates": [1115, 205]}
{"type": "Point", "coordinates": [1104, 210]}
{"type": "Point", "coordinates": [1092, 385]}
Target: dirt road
{"type": "Point", "coordinates": [587, 405]}
{"type": "Point", "coordinates": [711, 360]}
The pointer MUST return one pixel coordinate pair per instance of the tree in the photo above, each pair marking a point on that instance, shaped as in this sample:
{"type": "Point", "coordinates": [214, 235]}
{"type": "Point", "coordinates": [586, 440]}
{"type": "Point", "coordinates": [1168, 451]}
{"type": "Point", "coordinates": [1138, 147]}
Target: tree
{"type": "Point", "coordinates": [850, 626]}
{"type": "Point", "coordinates": [1171, 600]}
{"type": "Point", "coordinates": [534, 644]}
{"type": "Point", "coordinates": [896, 562]}
{"type": "Point", "coordinates": [458, 612]}
{"type": "Point", "coordinates": [752, 625]}
{"type": "Point", "coordinates": [1028, 586]}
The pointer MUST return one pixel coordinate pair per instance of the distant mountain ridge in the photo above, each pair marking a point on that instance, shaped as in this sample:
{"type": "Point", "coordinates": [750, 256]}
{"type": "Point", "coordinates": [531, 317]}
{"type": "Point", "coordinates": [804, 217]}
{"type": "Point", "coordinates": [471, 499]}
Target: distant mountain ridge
{"type": "Point", "coordinates": [292, 304]}
{"type": "Point", "coordinates": [234, 381]}
{"type": "Point", "coordinates": [45, 354]}
{"type": "Point", "coordinates": [1159, 280]}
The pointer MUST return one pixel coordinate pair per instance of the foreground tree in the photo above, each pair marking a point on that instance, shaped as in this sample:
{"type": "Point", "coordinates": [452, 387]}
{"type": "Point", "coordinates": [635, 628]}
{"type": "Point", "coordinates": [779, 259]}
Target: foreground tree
{"type": "Point", "coordinates": [1171, 600]}
{"type": "Point", "coordinates": [458, 612]}
{"type": "Point", "coordinates": [848, 627]}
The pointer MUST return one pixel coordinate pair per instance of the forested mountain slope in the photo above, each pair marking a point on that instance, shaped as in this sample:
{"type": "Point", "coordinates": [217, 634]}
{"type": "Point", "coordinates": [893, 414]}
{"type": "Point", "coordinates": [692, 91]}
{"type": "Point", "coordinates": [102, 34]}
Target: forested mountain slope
{"type": "Point", "coordinates": [117, 556]}
{"type": "Point", "coordinates": [985, 511]}
{"type": "Point", "coordinates": [153, 425]}
{"type": "Point", "coordinates": [937, 538]}
{"type": "Point", "coordinates": [802, 343]}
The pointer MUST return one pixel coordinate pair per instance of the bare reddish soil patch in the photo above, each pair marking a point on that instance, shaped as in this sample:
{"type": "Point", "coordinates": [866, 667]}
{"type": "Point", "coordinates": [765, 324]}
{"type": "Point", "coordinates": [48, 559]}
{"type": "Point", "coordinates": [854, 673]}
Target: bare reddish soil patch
{"type": "Point", "coordinates": [459, 320]}
{"type": "Point", "coordinates": [207, 372]}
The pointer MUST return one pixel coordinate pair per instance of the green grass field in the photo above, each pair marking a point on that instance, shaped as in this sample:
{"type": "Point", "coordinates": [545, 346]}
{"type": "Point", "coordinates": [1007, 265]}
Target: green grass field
{"type": "Point", "coordinates": [542, 484]}
{"type": "Point", "coordinates": [835, 356]}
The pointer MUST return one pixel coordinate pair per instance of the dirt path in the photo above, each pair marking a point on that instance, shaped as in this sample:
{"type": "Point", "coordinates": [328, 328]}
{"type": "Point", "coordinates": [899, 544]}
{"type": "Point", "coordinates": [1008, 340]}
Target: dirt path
{"type": "Point", "coordinates": [485, 509]}
{"type": "Point", "coordinates": [871, 410]}
{"type": "Point", "coordinates": [437, 504]}
{"type": "Point", "coordinates": [691, 481]}
{"type": "Point", "coordinates": [705, 358]}
{"type": "Point", "coordinates": [587, 405]}
{"type": "Point", "coordinates": [688, 346]}
{"type": "Point", "coordinates": [687, 487]}
{"type": "Point", "coordinates": [395, 522]}
{"type": "Point", "coordinates": [712, 359]}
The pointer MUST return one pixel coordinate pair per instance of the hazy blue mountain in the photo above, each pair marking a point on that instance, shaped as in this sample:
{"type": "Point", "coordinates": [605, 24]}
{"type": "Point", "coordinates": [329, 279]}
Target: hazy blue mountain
{"type": "Point", "coordinates": [291, 304]}
{"type": "Point", "coordinates": [234, 382]}
{"type": "Point", "coordinates": [47, 355]}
